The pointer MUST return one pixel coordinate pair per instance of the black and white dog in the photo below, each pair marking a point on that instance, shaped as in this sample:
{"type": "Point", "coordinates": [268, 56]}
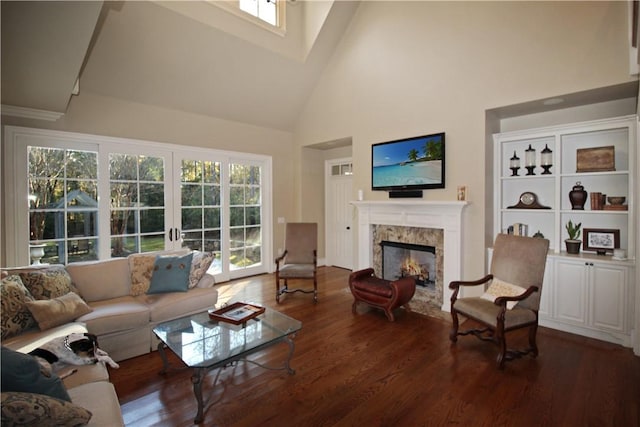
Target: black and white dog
{"type": "Point", "coordinates": [73, 349]}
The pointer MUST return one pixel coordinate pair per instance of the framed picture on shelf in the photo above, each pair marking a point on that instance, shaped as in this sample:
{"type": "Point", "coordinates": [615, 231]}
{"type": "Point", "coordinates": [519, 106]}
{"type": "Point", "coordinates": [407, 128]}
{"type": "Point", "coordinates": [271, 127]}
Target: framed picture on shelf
{"type": "Point", "coordinates": [601, 240]}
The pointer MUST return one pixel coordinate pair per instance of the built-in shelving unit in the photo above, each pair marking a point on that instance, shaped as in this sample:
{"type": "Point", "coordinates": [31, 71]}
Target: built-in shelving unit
{"type": "Point", "coordinates": [587, 293]}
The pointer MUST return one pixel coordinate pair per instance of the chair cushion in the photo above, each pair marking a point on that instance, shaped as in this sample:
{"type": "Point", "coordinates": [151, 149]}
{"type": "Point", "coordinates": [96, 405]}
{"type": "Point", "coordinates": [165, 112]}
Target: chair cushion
{"type": "Point", "coordinates": [374, 285]}
{"type": "Point", "coordinates": [297, 271]}
{"type": "Point", "coordinates": [487, 312]}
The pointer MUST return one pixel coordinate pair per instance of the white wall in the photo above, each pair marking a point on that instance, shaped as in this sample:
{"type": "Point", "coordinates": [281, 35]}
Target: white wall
{"type": "Point", "coordinates": [411, 68]}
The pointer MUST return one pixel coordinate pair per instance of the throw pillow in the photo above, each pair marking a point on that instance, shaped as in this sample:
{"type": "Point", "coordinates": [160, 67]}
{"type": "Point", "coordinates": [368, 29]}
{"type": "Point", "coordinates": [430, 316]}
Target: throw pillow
{"type": "Point", "coordinates": [32, 409]}
{"type": "Point", "coordinates": [199, 265]}
{"type": "Point", "coordinates": [500, 288]}
{"type": "Point", "coordinates": [141, 267]}
{"type": "Point", "coordinates": [15, 317]}
{"type": "Point", "coordinates": [171, 274]}
{"type": "Point", "coordinates": [21, 372]}
{"type": "Point", "coordinates": [57, 311]}
{"type": "Point", "coordinates": [48, 283]}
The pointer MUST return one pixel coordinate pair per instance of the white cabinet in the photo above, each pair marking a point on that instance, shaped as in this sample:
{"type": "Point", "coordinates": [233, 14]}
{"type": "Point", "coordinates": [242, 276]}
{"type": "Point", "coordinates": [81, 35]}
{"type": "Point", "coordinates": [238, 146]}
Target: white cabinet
{"type": "Point", "coordinates": [591, 294]}
{"type": "Point", "coordinates": [587, 294]}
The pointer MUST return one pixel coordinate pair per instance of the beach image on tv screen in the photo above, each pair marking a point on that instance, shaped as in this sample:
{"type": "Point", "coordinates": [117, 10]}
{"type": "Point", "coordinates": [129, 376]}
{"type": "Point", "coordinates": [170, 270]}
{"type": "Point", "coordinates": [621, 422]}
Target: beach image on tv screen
{"type": "Point", "coordinates": [413, 161]}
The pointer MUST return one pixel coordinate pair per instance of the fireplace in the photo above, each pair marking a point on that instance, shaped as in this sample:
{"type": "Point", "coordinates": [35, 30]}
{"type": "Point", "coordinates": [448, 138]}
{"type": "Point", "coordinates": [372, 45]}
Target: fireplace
{"type": "Point", "coordinates": [414, 222]}
{"type": "Point", "coordinates": [409, 260]}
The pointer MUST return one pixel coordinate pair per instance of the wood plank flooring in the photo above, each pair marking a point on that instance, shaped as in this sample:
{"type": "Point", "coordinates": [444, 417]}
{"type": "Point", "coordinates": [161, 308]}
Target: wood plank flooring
{"type": "Point", "coordinates": [361, 370]}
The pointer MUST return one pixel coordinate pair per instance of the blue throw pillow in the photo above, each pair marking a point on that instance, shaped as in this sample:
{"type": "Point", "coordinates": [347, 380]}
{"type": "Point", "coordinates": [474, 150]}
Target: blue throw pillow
{"type": "Point", "coordinates": [21, 372]}
{"type": "Point", "coordinates": [170, 274]}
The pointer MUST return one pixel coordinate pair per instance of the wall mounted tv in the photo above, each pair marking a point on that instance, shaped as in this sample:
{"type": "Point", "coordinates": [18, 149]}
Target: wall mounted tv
{"type": "Point", "coordinates": [405, 166]}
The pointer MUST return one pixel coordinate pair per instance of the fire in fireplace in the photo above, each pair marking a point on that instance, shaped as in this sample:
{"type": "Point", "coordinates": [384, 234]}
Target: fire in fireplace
{"type": "Point", "coordinates": [409, 260]}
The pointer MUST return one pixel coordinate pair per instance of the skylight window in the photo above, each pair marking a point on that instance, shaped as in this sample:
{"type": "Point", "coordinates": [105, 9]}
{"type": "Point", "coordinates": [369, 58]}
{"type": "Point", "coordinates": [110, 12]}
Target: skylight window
{"type": "Point", "coordinates": [266, 10]}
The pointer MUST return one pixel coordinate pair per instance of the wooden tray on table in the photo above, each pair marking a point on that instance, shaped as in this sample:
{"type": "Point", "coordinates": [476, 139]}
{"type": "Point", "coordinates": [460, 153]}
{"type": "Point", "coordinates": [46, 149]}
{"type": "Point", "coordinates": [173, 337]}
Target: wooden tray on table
{"type": "Point", "coordinates": [236, 313]}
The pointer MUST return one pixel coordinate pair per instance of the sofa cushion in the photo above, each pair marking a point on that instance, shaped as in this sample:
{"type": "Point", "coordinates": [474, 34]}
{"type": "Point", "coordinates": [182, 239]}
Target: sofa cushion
{"type": "Point", "coordinates": [101, 280]}
{"type": "Point", "coordinates": [22, 372]}
{"type": "Point", "coordinates": [117, 314]}
{"type": "Point", "coordinates": [34, 337]}
{"type": "Point", "coordinates": [15, 316]}
{"type": "Point", "coordinates": [170, 274]}
{"type": "Point", "coordinates": [75, 375]}
{"type": "Point", "coordinates": [57, 311]}
{"type": "Point", "coordinates": [32, 409]}
{"type": "Point", "coordinates": [177, 304]}
{"type": "Point", "coordinates": [101, 399]}
{"type": "Point", "coordinates": [47, 283]}
{"type": "Point", "coordinates": [199, 266]}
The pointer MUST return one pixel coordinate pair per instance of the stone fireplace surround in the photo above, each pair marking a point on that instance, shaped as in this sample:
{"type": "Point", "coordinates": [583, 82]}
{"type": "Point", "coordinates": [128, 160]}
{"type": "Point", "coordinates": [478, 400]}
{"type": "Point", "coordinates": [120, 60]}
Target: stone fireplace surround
{"type": "Point", "coordinates": [439, 215]}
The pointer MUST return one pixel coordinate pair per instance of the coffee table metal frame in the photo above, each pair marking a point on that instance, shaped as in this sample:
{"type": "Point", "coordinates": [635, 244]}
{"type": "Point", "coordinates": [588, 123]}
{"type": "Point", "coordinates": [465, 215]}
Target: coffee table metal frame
{"type": "Point", "coordinates": [277, 327]}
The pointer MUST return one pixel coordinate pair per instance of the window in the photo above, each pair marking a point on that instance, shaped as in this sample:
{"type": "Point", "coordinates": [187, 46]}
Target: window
{"type": "Point", "coordinates": [245, 226]}
{"type": "Point", "coordinates": [92, 197]}
{"type": "Point", "coordinates": [342, 169]}
{"type": "Point", "coordinates": [63, 203]}
{"type": "Point", "coordinates": [266, 10]}
{"type": "Point", "coordinates": [268, 14]}
{"type": "Point", "coordinates": [137, 203]}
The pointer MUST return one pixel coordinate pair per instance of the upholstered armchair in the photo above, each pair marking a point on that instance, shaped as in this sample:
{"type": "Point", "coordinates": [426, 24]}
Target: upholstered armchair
{"type": "Point", "coordinates": [512, 298]}
{"type": "Point", "coordinates": [299, 259]}
{"type": "Point", "coordinates": [384, 294]}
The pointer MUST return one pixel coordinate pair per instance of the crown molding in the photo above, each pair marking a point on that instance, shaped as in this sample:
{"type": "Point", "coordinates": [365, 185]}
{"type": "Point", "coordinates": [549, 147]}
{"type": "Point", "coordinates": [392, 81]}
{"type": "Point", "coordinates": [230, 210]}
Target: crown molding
{"type": "Point", "coordinates": [30, 113]}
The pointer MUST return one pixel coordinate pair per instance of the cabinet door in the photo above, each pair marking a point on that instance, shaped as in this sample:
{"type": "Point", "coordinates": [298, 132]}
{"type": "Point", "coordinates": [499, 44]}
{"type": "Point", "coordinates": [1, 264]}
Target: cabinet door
{"type": "Point", "coordinates": [609, 290]}
{"type": "Point", "coordinates": [571, 291]}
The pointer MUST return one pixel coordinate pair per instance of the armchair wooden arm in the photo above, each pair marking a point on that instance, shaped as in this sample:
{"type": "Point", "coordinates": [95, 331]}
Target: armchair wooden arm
{"type": "Point", "coordinates": [503, 300]}
{"type": "Point", "coordinates": [455, 285]}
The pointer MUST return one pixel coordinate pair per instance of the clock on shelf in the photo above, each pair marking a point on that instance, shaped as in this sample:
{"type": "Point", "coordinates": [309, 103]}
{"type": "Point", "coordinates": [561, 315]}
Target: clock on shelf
{"type": "Point", "coordinates": [528, 200]}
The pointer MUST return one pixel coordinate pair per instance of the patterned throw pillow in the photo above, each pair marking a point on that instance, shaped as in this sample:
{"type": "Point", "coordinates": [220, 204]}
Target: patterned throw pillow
{"type": "Point", "coordinates": [15, 315]}
{"type": "Point", "coordinates": [48, 283]}
{"type": "Point", "coordinates": [199, 266]}
{"type": "Point", "coordinates": [32, 409]}
{"type": "Point", "coordinates": [500, 288]}
{"type": "Point", "coordinates": [141, 267]}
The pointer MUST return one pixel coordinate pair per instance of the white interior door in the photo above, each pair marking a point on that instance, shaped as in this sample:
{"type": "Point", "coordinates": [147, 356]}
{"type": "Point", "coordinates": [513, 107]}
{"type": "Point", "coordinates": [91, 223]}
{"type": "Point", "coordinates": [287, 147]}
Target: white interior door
{"type": "Point", "coordinates": [339, 213]}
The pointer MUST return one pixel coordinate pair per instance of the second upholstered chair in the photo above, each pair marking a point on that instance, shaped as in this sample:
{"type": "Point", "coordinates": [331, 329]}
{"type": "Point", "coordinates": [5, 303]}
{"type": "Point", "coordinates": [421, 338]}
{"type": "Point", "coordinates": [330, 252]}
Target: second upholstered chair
{"type": "Point", "coordinates": [299, 259]}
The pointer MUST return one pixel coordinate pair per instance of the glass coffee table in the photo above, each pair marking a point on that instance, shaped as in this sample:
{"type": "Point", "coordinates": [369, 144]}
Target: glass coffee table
{"type": "Point", "coordinates": [204, 344]}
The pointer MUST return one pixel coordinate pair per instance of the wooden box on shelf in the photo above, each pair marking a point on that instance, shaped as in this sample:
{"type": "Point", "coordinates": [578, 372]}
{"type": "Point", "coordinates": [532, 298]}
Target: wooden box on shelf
{"type": "Point", "coordinates": [598, 159]}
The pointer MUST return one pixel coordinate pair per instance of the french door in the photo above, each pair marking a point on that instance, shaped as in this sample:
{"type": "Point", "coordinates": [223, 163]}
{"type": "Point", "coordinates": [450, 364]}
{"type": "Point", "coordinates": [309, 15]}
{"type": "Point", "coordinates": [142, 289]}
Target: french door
{"type": "Point", "coordinates": [92, 197]}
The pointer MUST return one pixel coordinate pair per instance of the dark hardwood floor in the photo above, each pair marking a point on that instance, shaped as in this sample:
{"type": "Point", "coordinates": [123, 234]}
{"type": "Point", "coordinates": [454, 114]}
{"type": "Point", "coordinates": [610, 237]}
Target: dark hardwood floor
{"type": "Point", "coordinates": [365, 371]}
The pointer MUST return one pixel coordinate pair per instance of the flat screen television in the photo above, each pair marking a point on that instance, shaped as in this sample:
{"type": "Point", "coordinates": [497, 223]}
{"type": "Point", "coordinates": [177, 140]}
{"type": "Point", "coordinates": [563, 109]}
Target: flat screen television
{"type": "Point", "coordinates": [407, 165]}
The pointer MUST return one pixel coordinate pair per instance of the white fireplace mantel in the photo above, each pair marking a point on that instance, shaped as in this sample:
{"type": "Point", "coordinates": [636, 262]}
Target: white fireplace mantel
{"type": "Point", "coordinates": [411, 213]}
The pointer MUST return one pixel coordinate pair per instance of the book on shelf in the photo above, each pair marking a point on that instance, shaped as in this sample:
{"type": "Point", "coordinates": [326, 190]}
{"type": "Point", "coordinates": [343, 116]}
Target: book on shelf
{"type": "Point", "coordinates": [518, 229]}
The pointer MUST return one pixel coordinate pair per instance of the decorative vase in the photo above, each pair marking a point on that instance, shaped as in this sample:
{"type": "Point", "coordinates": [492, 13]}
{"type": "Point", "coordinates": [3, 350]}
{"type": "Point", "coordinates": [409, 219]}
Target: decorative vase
{"type": "Point", "coordinates": [573, 246]}
{"type": "Point", "coordinates": [578, 197]}
{"type": "Point", "coordinates": [36, 252]}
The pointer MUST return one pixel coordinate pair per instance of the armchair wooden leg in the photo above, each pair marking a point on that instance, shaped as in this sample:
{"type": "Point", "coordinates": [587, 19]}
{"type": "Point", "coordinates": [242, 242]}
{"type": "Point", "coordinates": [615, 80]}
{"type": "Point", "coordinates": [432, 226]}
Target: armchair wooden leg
{"type": "Point", "coordinates": [453, 334]}
{"type": "Point", "coordinates": [533, 331]}
{"type": "Point", "coordinates": [354, 306]}
{"type": "Point", "coordinates": [502, 345]}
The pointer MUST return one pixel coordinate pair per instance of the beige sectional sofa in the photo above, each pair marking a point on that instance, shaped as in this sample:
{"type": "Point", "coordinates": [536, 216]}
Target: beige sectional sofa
{"type": "Point", "coordinates": [123, 310]}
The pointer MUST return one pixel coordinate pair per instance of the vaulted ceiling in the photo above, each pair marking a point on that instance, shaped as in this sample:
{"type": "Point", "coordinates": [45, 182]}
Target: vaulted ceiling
{"type": "Point", "coordinates": [188, 56]}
